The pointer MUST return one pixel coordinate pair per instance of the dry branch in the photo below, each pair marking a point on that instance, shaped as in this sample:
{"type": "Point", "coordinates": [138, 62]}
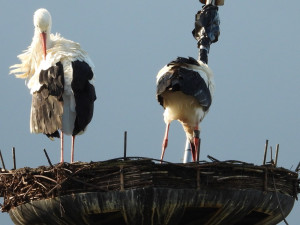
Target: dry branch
{"type": "Point", "coordinates": [27, 184]}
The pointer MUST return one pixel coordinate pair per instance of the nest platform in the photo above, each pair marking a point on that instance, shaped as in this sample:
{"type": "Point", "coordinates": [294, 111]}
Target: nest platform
{"type": "Point", "coordinates": [141, 191]}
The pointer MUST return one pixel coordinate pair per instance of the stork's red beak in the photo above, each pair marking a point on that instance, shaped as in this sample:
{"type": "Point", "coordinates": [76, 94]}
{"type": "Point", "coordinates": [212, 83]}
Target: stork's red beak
{"type": "Point", "coordinates": [44, 45]}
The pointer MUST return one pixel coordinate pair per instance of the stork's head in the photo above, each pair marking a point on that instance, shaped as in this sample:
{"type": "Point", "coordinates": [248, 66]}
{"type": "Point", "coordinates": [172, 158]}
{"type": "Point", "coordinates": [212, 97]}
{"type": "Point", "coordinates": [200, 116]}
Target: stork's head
{"type": "Point", "coordinates": [42, 22]}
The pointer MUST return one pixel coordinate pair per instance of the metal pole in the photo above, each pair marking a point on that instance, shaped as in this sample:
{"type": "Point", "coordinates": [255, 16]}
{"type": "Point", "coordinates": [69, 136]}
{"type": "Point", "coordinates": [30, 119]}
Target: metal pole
{"type": "Point", "coordinates": [210, 2]}
{"type": "Point", "coordinates": [187, 157]}
{"type": "Point", "coordinates": [213, 2]}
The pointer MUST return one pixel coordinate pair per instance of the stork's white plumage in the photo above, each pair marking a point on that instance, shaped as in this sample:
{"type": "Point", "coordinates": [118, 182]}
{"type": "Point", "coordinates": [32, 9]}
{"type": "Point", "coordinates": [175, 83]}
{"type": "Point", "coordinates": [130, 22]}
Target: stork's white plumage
{"type": "Point", "coordinates": [185, 89]}
{"type": "Point", "coordinates": [59, 74]}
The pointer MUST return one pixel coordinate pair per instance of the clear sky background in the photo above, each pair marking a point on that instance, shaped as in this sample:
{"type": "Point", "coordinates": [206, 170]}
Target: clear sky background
{"type": "Point", "coordinates": [256, 67]}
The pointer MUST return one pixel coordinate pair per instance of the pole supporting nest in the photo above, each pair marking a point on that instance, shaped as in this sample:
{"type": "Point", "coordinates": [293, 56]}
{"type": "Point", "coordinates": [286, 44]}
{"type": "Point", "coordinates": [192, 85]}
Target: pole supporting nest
{"type": "Point", "coordinates": [187, 152]}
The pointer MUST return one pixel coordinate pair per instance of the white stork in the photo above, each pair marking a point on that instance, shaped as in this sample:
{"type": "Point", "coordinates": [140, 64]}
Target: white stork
{"type": "Point", "coordinates": [185, 89]}
{"type": "Point", "coordinates": [59, 74]}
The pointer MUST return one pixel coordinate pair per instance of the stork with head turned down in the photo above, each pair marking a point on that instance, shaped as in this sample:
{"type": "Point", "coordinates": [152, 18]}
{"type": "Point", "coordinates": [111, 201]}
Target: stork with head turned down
{"type": "Point", "coordinates": [59, 74]}
{"type": "Point", "coordinates": [185, 89]}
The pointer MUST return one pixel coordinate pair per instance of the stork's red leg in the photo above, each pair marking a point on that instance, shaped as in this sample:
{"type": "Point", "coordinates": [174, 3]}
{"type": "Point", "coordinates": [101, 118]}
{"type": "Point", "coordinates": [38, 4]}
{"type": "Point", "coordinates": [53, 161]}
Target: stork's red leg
{"type": "Point", "coordinates": [62, 147]}
{"type": "Point", "coordinates": [165, 142]}
{"type": "Point", "coordinates": [72, 149]}
{"type": "Point", "coordinates": [196, 143]}
{"type": "Point", "coordinates": [193, 148]}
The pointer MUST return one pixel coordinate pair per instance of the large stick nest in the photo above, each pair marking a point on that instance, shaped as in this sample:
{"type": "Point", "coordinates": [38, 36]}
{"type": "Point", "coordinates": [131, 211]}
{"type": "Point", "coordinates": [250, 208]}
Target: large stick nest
{"type": "Point", "coordinates": [28, 184]}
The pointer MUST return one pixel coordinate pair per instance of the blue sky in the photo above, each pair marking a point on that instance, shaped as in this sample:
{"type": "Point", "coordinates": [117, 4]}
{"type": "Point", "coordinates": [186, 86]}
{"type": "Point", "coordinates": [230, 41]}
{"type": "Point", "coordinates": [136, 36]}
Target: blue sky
{"type": "Point", "coordinates": [255, 64]}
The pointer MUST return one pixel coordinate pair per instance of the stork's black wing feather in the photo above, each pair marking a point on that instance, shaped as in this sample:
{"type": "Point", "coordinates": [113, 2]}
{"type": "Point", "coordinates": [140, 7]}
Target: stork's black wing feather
{"type": "Point", "coordinates": [184, 61]}
{"type": "Point", "coordinates": [84, 93]}
{"type": "Point", "coordinates": [187, 81]}
{"type": "Point", "coordinates": [47, 102]}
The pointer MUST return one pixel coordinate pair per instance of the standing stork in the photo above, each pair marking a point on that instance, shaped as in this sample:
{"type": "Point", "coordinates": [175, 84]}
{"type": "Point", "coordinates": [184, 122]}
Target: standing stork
{"type": "Point", "coordinates": [185, 89]}
{"type": "Point", "coordinates": [59, 74]}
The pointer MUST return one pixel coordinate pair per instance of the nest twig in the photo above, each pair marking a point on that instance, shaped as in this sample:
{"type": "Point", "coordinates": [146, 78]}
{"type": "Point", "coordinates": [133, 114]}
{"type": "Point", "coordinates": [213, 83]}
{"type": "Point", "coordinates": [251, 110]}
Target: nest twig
{"type": "Point", "coordinates": [28, 184]}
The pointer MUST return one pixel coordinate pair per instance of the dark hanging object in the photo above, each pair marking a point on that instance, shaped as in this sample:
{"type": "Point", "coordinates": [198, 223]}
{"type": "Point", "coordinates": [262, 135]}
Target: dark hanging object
{"type": "Point", "coordinates": [207, 29]}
